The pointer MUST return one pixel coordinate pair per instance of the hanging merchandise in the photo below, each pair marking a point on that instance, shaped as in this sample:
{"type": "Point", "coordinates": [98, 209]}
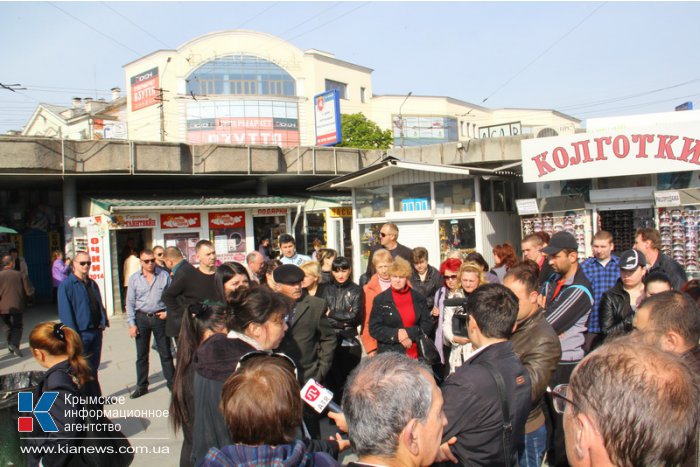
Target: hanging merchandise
{"type": "Point", "coordinates": [622, 224]}
{"type": "Point", "coordinates": [577, 223]}
{"type": "Point", "coordinates": [679, 236]}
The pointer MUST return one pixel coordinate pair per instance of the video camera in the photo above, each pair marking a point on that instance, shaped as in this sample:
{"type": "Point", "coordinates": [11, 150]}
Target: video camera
{"type": "Point", "coordinates": [459, 318]}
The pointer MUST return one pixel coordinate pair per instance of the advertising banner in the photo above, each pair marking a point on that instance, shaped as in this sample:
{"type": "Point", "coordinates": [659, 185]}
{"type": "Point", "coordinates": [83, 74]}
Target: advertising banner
{"type": "Point", "coordinates": [327, 118]}
{"type": "Point", "coordinates": [612, 153]}
{"type": "Point", "coordinates": [132, 221]}
{"type": "Point", "coordinates": [144, 89]}
{"type": "Point", "coordinates": [180, 220]}
{"type": "Point", "coordinates": [218, 220]}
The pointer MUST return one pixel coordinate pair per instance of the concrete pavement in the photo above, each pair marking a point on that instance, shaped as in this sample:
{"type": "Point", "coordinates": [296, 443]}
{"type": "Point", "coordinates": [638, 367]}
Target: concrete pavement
{"type": "Point", "coordinates": [151, 436]}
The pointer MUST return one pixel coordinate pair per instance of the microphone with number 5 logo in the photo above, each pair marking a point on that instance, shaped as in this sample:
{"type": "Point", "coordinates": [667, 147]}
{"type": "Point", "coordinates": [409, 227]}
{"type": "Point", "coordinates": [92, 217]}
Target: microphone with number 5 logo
{"type": "Point", "coordinates": [319, 397]}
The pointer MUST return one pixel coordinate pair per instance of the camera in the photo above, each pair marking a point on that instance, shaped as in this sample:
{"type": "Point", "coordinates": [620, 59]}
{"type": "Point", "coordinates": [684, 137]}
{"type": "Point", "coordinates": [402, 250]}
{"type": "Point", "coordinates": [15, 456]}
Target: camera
{"type": "Point", "coordinates": [460, 316]}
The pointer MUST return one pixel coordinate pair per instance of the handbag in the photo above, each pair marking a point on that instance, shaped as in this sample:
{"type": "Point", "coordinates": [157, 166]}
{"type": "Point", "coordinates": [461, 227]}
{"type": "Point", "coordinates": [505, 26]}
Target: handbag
{"type": "Point", "coordinates": [427, 352]}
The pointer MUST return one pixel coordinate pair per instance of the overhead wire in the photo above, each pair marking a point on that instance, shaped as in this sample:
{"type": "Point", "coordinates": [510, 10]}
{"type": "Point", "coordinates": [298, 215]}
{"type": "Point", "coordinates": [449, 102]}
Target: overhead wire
{"type": "Point", "coordinates": [143, 30]}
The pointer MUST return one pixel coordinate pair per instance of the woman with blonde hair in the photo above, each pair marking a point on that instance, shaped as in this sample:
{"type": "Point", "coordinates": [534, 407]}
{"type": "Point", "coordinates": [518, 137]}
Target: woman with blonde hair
{"type": "Point", "coordinates": [378, 283]}
{"type": "Point", "coordinates": [399, 314]}
{"type": "Point", "coordinates": [312, 275]}
{"type": "Point", "coordinates": [470, 276]}
{"type": "Point", "coordinates": [59, 349]}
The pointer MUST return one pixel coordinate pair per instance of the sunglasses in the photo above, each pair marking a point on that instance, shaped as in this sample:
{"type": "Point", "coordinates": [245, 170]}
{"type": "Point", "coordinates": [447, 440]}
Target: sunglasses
{"type": "Point", "coordinates": [382, 234]}
{"type": "Point", "coordinates": [261, 355]}
{"type": "Point", "coordinates": [448, 278]}
{"type": "Point", "coordinates": [85, 263]}
{"type": "Point", "coordinates": [148, 261]}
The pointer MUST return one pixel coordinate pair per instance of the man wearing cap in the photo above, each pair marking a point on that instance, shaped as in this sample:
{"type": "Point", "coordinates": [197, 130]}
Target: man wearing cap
{"type": "Point", "coordinates": [310, 340]}
{"type": "Point", "coordinates": [568, 301]}
{"type": "Point", "coordinates": [618, 305]}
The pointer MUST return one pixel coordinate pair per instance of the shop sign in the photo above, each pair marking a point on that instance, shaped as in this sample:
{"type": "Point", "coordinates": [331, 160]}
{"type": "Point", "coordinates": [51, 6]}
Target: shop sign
{"type": "Point", "coordinates": [97, 254]}
{"type": "Point", "coordinates": [261, 212]}
{"type": "Point", "coordinates": [498, 131]}
{"type": "Point", "coordinates": [667, 199]}
{"type": "Point", "coordinates": [180, 220]}
{"type": "Point", "coordinates": [327, 118]}
{"type": "Point", "coordinates": [344, 211]}
{"type": "Point", "coordinates": [218, 220]}
{"type": "Point", "coordinates": [527, 206]}
{"type": "Point", "coordinates": [144, 89]}
{"type": "Point", "coordinates": [663, 148]}
{"type": "Point", "coordinates": [137, 221]}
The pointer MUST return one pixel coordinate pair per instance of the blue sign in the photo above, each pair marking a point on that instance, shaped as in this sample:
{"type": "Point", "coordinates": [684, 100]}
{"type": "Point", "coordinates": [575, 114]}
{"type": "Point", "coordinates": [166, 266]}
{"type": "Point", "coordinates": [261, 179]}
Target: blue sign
{"type": "Point", "coordinates": [327, 118]}
{"type": "Point", "coordinates": [685, 106]}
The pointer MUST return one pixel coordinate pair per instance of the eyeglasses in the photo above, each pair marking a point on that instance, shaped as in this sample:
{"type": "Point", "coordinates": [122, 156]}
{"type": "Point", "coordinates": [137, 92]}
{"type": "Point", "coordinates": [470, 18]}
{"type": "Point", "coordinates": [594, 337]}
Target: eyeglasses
{"type": "Point", "coordinates": [159, 254]}
{"type": "Point", "coordinates": [382, 234]}
{"type": "Point", "coordinates": [84, 263]}
{"type": "Point", "coordinates": [259, 355]}
{"type": "Point", "coordinates": [450, 278]}
{"type": "Point", "coordinates": [559, 399]}
{"type": "Point", "coordinates": [149, 261]}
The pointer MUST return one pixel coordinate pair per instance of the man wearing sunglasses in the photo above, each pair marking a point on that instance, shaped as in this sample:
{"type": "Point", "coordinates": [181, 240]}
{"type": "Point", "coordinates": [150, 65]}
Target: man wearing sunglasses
{"type": "Point", "coordinates": [80, 308]}
{"type": "Point", "coordinates": [629, 403]}
{"type": "Point", "coordinates": [388, 239]}
{"type": "Point", "coordinates": [145, 312]}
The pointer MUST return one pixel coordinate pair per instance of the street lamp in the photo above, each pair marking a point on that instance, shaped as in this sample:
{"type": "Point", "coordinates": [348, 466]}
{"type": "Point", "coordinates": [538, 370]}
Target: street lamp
{"type": "Point", "coordinates": [401, 117]}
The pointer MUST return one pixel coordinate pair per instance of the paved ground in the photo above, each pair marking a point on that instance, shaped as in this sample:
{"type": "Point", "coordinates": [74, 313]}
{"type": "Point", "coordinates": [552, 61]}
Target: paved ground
{"type": "Point", "coordinates": [118, 378]}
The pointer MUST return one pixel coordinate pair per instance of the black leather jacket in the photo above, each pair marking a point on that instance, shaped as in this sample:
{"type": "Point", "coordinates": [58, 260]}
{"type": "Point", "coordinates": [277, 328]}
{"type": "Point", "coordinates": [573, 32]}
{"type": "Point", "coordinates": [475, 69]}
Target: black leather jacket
{"type": "Point", "coordinates": [616, 312]}
{"type": "Point", "coordinates": [346, 303]}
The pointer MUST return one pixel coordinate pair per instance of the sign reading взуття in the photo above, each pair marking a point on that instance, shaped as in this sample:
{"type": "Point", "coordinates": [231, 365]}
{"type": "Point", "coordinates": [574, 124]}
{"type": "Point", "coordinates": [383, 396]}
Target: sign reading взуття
{"type": "Point", "coordinates": [664, 148]}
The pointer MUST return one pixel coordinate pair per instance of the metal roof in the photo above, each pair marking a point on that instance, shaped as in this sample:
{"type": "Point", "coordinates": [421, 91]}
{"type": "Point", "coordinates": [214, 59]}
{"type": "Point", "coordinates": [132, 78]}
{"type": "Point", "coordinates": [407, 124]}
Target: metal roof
{"type": "Point", "coordinates": [202, 202]}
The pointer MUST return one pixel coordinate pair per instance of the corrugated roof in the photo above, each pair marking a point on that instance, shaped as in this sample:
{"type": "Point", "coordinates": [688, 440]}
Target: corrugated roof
{"type": "Point", "coordinates": [202, 202]}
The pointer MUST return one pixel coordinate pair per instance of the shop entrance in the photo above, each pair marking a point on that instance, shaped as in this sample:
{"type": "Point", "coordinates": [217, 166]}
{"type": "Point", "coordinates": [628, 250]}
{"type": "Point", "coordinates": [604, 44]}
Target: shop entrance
{"type": "Point", "coordinates": [126, 239]}
{"type": "Point", "coordinates": [269, 227]}
{"type": "Point", "coordinates": [622, 224]}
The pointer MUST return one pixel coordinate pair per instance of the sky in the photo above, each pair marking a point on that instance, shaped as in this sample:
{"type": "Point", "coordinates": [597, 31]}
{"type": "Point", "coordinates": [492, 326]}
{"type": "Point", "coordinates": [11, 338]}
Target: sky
{"type": "Point", "coordinates": [585, 59]}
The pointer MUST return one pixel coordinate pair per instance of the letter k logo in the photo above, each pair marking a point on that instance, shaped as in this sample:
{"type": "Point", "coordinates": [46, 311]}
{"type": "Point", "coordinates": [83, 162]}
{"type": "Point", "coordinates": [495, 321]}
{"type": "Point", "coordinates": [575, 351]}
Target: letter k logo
{"type": "Point", "coordinates": [40, 411]}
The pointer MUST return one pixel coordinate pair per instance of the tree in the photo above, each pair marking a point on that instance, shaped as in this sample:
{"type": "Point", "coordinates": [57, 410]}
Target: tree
{"type": "Point", "coordinates": [362, 133]}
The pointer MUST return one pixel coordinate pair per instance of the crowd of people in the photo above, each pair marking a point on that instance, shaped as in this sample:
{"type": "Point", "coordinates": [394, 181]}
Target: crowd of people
{"type": "Point", "coordinates": [551, 357]}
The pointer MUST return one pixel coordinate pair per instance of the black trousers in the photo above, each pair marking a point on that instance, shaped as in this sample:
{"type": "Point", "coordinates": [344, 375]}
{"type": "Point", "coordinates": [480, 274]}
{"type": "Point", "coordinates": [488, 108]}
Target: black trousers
{"type": "Point", "coordinates": [156, 326]}
{"type": "Point", "coordinates": [556, 456]}
{"type": "Point", "coordinates": [15, 325]}
{"type": "Point", "coordinates": [345, 359]}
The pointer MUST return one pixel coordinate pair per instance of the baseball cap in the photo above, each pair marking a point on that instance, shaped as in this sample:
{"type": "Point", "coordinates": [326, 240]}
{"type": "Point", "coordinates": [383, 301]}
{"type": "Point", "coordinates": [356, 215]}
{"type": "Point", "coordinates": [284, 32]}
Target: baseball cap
{"type": "Point", "coordinates": [631, 260]}
{"type": "Point", "coordinates": [560, 241]}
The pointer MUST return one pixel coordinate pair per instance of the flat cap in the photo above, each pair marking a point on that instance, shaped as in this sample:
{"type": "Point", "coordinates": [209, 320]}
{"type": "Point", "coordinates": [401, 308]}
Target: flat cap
{"type": "Point", "coordinates": [288, 274]}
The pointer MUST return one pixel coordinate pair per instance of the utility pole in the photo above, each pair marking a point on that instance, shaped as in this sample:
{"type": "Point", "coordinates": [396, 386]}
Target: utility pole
{"type": "Point", "coordinates": [401, 117]}
{"type": "Point", "coordinates": [162, 101]}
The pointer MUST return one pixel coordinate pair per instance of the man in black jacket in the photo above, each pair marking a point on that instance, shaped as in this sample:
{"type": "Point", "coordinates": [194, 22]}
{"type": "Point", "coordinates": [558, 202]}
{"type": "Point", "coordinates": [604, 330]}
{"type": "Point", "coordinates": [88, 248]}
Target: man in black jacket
{"type": "Point", "coordinates": [425, 278]}
{"type": "Point", "coordinates": [473, 400]}
{"type": "Point", "coordinates": [189, 284]}
{"type": "Point", "coordinates": [310, 340]}
{"type": "Point", "coordinates": [648, 241]}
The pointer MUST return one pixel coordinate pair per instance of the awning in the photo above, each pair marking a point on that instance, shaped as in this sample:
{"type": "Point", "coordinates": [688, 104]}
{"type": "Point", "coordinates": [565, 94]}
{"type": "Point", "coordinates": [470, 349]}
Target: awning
{"type": "Point", "coordinates": [120, 205]}
{"type": "Point", "coordinates": [392, 165]}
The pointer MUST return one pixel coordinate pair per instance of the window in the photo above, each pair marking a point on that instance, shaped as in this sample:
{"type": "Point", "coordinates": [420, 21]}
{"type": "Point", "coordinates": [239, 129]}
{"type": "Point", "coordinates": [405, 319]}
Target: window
{"type": "Point", "coordinates": [372, 202]}
{"type": "Point", "coordinates": [457, 234]}
{"type": "Point", "coordinates": [362, 95]}
{"type": "Point", "coordinates": [342, 88]}
{"type": "Point", "coordinates": [415, 197]}
{"type": "Point", "coordinates": [241, 75]}
{"type": "Point", "coordinates": [454, 196]}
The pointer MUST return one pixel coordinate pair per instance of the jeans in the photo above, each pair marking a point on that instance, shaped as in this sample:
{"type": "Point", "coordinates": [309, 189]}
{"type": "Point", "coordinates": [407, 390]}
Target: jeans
{"type": "Point", "coordinates": [156, 326]}
{"type": "Point", "coordinates": [534, 447]}
{"type": "Point", "coordinates": [14, 323]}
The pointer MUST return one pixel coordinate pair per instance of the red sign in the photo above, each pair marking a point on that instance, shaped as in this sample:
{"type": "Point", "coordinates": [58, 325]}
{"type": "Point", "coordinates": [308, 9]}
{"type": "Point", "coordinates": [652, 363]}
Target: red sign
{"type": "Point", "coordinates": [180, 220]}
{"type": "Point", "coordinates": [219, 220]}
{"type": "Point", "coordinates": [312, 394]}
{"type": "Point", "coordinates": [144, 89]}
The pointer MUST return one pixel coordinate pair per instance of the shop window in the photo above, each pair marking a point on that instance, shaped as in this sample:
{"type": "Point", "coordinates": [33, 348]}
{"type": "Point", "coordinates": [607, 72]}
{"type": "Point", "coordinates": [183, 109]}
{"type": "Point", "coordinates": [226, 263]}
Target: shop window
{"type": "Point", "coordinates": [369, 239]}
{"type": "Point", "coordinates": [624, 182]}
{"type": "Point", "coordinates": [485, 191]}
{"type": "Point", "coordinates": [673, 180]}
{"type": "Point", "coordinates": [577, 187]}
{"type": "Point", "coordinates": [454, 196]}
{"type": "Point", "coordinates": [415, 197]}
{"type": "Point", "coordinates": [457, 234]}
{"type": "Point", "coordinates": [342, 88]}
{"type": "Point", "coordinates": [315, 229]}
{"type": "Point", "coordinates": [372, 202]}
{"type": "Point", "coordinates": [362, 95]}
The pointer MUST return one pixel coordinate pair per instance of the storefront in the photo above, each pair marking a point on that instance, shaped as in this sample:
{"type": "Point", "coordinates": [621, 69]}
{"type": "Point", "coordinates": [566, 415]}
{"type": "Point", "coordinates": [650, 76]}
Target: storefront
{"type": "Point", "coordinates": [678, 217]}
{"type": "Point", "coordinates": [328, 219]}
{"type": "Point", "coordinates": [439, 207]}
{"type": "Point", "coordinates": [611, 174]}
{"type": "Point", "coordinates": [234, 225]}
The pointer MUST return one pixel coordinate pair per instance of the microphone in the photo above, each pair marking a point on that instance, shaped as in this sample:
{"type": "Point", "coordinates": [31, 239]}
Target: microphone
{"type": "Point", "coordinates": [319, 397]}
{"type": "Point", "coordinates": [455, 301]}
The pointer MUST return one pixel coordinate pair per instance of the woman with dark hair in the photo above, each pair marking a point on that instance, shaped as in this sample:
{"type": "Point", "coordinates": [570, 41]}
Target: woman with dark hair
{"type": "Point", "coordinates": [325, 257]}
{"type": "Point", "coordinates": [229, 277]}
{"type": "Point", "coordinates": [59, 349]}
{"type": "Point", "coordinates": [256, 321]}
{"type": "Point", "coordinates": [399, 314]}
{"type": "Point", "coordinates": [266, 271]}
{"type": "Point", "coordinates": [346, 309]}
{"type": "Point", "coordinates": [505, 258]}
{"type": "Point", "coordinates": [201, 321]}
{"type": "Point", "coordinates": [475, 257]}
{"type": "Point", "coordinates": [263, 412]}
